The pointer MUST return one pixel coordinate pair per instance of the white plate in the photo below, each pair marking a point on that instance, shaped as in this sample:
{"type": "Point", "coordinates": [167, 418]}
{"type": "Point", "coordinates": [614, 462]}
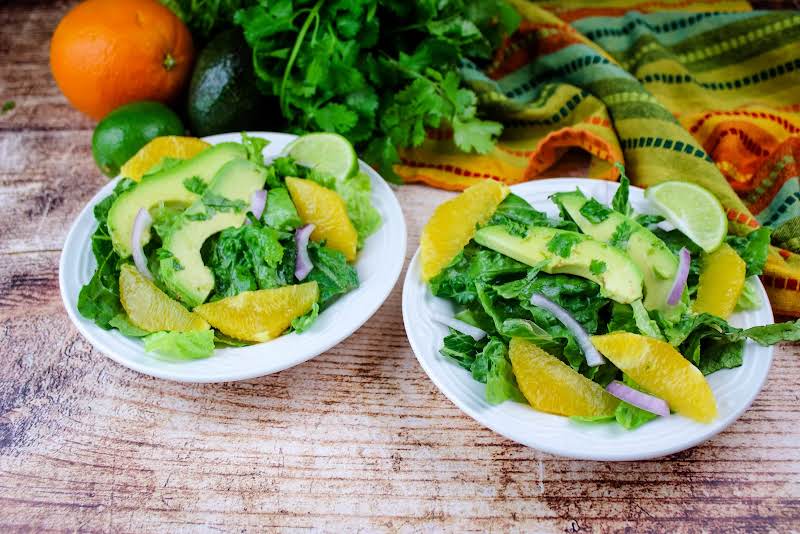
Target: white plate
{"type": "Point", "coordinates": [734, 389]}
{"type": "Point", "coordinates": [379, 264]}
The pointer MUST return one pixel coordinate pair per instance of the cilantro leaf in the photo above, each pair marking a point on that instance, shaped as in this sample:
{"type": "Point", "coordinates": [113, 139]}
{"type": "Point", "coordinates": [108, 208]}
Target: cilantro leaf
{"type": "Point", "coordinates": [594, 211]}
{"type": "Point", "coordinates": [475, 135]}
{"type": "Point", "coordinates": [561, 244]}
{"type": "Point", "coordinates": [196, 185]}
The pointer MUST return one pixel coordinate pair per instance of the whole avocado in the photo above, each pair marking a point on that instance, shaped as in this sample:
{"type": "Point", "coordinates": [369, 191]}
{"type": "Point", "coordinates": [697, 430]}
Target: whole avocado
{"type": "Point", "coordinates": [128, 128]}
{"type": "Point", "coordinates": [223, 95]}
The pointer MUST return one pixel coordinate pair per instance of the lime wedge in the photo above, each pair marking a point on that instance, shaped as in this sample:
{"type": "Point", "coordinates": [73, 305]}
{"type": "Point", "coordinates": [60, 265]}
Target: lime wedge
{"type": "Point", "coordinates": [327, 152]}
{"type": "Point", "coordinates": [693, 210]}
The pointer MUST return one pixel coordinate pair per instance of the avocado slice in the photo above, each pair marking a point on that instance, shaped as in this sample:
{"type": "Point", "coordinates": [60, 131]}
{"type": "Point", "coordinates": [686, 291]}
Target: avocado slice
{"type": "Point", "coordinates": [224, 205]}
{"type": "Point", "coordinates": [570, 253]}
{"type": "Point", "coordinates": [165, 187]}
{"type": "Point", "coordinates": [656, 261]}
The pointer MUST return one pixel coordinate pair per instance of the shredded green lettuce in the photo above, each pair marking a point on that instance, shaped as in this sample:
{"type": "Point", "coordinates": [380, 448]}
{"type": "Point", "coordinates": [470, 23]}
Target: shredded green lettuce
{"type": "Point", "coordinates": [181, 345]}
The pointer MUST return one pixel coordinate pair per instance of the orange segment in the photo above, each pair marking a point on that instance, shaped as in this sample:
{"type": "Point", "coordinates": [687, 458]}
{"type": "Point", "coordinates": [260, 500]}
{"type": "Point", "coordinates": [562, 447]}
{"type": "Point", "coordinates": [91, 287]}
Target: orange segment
{"type": "Point", "coordinates": [326, 210]}
{"type": "Point", "coordinates": [552, 386]}
{"type": "Point", "coordinates": [151, 309]}
{"type": "Point", "coordinates": [151, 154]}
{"type": "Point", "coordinates": [662, 371]}
{"type": "Point", "coordinates": [721, 281]}
{"type": "Point", "coordinates": [260, 315]}
{"type": "Point", "coordinates": [453, 224]}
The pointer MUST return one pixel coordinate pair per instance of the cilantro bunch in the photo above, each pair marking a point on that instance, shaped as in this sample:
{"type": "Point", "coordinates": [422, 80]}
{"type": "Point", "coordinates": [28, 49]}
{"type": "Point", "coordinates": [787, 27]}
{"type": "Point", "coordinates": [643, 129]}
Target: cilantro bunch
{"type": "Point", "coordinates": [377, 72]}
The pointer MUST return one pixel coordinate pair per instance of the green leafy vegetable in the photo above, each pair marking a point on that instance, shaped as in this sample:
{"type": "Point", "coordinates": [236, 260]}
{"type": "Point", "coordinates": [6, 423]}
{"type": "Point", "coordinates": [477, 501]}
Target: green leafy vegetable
{"type": "Point", "coordinates": [774, 333]}
{"type": "Point", "coordinates": [122, 322]}
{"type": "Point", "coordinates": [181, 345]}
{"type": "Point", "coordinates": [628, 415]}
{"type": "Point", "coordinates": [196, 185]}
{"type": "Point", "coordinates": [753, 249]}
{"type": "Point", "coordinates": [281, 213]}
{"type": "Point", "coordinates": [620, 201]}
{"type": "Point", "coordinates": [246, 259]}
{"type": "Point", "coordinates": [517, 215]}
{"type": "Point", "coordinates": [594, 211]}
{"type": "Point", "coordinates": [597, 267]}
{"type": "Point", "coordinates": [501, 385]}
{"type": "Point", "coordinates": [8, 105]}
{"type": "Point", "coordinates": [749, 298]}
{"type": "Point", "coordinates": [649, 220]}
{"type": "Point", "coordinates": [254, 146]}
{"type": "Point", "coordinates": [621, 235]}
{"type": "Point", "coordinates": [645, 325]}
{"type": "Point", "coordinates": [304, 322]}
{"type": "Point", "coordinates": [332, 272]}
{"type": "Point", "coordinates": [99, 299]}
{"type": "Point", "coordinates": [561, 244]}
{"type": "Point", "coordinates": [379, 73]}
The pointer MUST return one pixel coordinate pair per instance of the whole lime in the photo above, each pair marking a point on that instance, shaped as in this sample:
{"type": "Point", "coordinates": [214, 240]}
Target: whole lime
{"type": "Point", "coordinates": [127, 129]}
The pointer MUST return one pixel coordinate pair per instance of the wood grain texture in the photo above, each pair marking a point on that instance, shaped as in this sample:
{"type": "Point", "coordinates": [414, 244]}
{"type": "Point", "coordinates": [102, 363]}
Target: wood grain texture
{"type": "Point", "coordinates": [357, 439]}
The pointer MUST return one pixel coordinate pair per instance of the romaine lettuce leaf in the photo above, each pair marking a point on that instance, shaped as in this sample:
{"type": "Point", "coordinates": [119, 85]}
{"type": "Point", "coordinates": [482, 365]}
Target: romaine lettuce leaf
{"type": "Point", "coordinates": [753, 249]}
{"type": "Point", "coordinates": [181, 345]}
{"type": "Point", "coordinates": [332, 272]}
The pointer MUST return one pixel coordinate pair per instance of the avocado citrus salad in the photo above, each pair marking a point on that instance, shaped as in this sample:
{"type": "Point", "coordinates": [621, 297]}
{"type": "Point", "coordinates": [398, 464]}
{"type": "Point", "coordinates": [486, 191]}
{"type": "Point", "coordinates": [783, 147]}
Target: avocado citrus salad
{"type": "Point", "coordinates": [600, 314]}
{"type": "Point", "coordinates": [217, 246]}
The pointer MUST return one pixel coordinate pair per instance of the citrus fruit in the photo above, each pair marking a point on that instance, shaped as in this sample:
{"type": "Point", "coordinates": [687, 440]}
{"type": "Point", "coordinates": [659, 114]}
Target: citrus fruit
{"type": "Point", "coordinates": [722, 278]}
{"type": "Point", "coordinates": [151, 309]}
{"type": "Point", "coordinates": [326, 210]}
{"type": "Point", "coordinates": [260, 315]}
{"type": "Point", "coordinates": [124, 131]}
{"type": "Point", "coordinates": [154, 152]}
{"type": "Point", "coordinates": [661, 370]}
{"type": "Point", "coordinates": [453, 224]}
{"type": "Point", "coordinates": [327, 152]}
{"type": "Point", "coordinates": [693, 210]}
{"type": "Point", "coordinates": [552, 386]}
{"type": "Point", "coordinates": [106, 53]}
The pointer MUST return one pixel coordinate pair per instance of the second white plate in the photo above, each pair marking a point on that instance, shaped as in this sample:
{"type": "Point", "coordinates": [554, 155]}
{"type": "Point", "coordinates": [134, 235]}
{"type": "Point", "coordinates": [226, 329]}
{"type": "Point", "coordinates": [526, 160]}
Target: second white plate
{"type": "Point", "coordinates": [734, 389]}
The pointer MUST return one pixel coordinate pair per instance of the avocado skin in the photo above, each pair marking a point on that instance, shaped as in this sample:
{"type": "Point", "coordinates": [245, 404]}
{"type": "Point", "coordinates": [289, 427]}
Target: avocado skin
{"type": "Point", "coordinates": [223, 93]}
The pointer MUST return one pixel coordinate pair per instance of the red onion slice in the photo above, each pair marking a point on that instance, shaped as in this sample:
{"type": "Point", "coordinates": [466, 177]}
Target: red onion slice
{"type": "Point", "coordinates": [635, 397]}
{"type": "Point", "coordinates": [593, 357]}
{"type": "Point", "coordinates": [684, 260]}
{"type": "Point", "coordinates": [465, 328]}
{"type": "Point", "coordinates": [258, 201]}
{"type": "Point", "coordinates": [141, 224]}
{"type": "Point", "coordinates": [303, 265]}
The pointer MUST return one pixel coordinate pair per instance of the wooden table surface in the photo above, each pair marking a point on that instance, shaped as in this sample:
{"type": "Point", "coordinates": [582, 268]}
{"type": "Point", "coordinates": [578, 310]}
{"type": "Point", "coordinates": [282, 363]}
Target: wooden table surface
{"type": "Point", "coordinates": [356, 439]}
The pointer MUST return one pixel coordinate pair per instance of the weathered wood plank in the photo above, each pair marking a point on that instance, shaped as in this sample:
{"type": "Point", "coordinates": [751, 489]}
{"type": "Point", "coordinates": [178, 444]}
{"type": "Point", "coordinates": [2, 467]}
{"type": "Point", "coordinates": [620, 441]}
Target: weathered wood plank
{"type": "Point", "coordinates": [356, 439]}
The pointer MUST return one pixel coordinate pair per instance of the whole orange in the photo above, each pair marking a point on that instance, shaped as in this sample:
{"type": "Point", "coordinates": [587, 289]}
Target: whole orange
{"type": "Point", "coordinates": [106, 53]}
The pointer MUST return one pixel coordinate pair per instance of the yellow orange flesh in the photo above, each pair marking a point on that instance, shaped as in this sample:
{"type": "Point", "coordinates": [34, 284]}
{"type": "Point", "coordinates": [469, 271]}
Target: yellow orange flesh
{"type": "Point", "coordinates": [260, 315]}
{"type": "Point", "coordinates": [326, 210]}
{"type": "Point", "coordinates": [168, 146]}
{"type": "Point", "coordinates": [552, 386]}
{"type": "Point", "coordinates": [453, 224]}
{"type": "Point", "coordinates": [151, 309]}
{"type": "Point", "coordinates": [662, 371]}
{"type": "Point", "coordinates": [722, 278]}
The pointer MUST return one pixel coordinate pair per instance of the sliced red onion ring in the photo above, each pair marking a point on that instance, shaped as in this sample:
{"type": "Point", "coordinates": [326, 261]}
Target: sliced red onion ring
{"type": "Point", "coordinates": [141, 224]}
{"type": "Point", "coordinates": [635, 397]}
{"type": "Point", "coordinates": [303, 265]}
{"type": "Point", "coordinates": [465, 328]}
{"type": "Point", "coordinates": [593, 357]}
{"type": "Point", "coordinates": [258, 201]}
{"type": "Point", "coordinates": [684, 260]}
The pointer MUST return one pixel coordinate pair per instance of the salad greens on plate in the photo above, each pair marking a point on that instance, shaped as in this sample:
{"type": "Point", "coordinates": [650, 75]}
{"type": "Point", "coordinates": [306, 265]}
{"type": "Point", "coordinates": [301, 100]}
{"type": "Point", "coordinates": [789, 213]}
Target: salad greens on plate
{"type": "Point", "coordinates": [601, 314]}
{"type": "Point", "coordinates": [225, 248]}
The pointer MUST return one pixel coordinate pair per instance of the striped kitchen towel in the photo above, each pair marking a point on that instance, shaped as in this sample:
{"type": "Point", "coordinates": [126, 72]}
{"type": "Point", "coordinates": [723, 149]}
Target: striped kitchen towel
{"type": "Point", "coordinates": [699, 91]}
